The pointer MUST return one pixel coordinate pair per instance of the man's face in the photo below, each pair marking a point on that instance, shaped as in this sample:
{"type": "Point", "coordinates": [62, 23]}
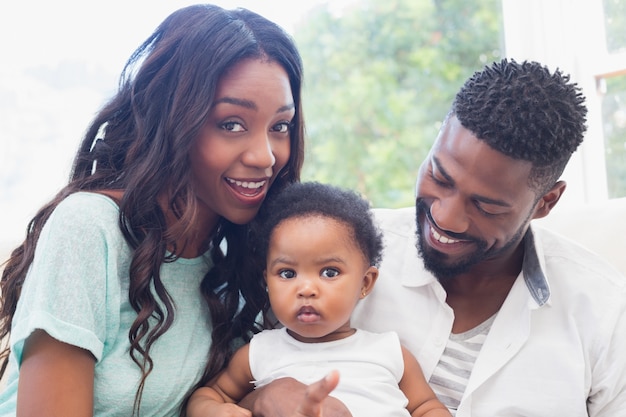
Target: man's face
{"type": "Point", "coordinates": [473, 203]}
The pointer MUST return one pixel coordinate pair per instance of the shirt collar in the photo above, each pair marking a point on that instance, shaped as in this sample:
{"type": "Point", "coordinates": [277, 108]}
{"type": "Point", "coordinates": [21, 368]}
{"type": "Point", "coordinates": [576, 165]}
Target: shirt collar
{"type": "Point", "coordinates": [533, 270]}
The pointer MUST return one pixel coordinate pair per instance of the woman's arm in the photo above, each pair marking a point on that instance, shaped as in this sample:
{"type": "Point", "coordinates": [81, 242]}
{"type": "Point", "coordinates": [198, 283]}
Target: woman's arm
{"type": "Point", "coordinates": [287, 397]}
{"type": "Point", "coordinates": [422, 399]}
{"type": "Point", "coordinates": [56, 379]}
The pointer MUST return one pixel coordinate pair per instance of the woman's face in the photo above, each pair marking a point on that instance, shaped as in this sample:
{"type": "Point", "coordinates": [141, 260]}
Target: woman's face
{"type": "Point", "coordinates": [245, 141]}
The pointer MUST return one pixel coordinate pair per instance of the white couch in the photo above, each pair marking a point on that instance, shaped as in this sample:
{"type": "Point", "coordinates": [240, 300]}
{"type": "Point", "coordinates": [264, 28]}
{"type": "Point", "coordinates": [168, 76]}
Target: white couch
{"type": "Point", "coordinates": [601, 227]}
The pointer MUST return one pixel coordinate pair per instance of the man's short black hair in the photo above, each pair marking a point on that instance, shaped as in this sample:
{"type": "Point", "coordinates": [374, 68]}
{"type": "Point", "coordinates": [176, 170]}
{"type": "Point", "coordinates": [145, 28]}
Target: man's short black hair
{"type": "Point", "coordinates": [526, 112]}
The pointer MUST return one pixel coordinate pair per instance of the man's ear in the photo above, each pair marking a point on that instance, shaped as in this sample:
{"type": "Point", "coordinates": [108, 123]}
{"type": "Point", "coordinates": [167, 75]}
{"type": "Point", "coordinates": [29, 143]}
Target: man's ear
{"type": "Point", "coordinates": [547, 202]}
{"type": "Point", "coordinates": [369, 279]}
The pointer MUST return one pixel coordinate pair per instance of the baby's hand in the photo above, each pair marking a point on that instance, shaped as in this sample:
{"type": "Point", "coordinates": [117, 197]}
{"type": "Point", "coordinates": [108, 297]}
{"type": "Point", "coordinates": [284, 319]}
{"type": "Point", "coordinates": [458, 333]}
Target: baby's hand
{"type": "Point", "coordinates": [315, 394]}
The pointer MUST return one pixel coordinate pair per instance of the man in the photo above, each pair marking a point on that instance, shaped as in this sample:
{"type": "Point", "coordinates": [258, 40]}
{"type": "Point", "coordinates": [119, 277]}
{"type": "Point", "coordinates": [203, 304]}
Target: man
{"type": "Point", "coordinates": [504, 318]}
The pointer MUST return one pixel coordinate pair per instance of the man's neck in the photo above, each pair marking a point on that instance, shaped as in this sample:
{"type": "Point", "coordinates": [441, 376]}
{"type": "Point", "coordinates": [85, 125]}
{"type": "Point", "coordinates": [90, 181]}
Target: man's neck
{"type": "Point", "coordinates": [479, 293]}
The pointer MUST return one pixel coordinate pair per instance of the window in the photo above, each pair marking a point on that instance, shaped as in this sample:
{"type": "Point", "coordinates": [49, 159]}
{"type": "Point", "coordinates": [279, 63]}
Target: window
{"type": "Point", "coordinates": [587, 40]}
{"type": "Point", "coordinates": [612, 90]}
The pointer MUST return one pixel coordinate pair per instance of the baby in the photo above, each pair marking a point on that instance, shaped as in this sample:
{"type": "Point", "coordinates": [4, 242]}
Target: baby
{"type": "Point", "coordinates": [321, 249]}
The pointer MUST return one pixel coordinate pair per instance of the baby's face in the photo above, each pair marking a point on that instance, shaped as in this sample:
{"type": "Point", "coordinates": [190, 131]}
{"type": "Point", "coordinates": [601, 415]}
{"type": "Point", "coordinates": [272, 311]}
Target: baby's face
{"type": "Point", "coordinates": [315, 275]}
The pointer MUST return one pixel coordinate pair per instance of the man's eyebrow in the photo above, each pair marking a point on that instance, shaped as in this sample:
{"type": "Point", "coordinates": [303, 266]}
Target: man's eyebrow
{"type": "Point", "coordinates": [477, 197]}
{"type": "Point", "coordinates": [442, 170]}
{"type": "Point", "coordinates": [250, 104]}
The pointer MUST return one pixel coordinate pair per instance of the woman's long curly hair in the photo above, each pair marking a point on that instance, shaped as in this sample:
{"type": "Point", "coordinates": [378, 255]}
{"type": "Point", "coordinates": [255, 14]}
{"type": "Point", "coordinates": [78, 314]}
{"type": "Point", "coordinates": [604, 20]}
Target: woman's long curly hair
{"type": "Point", "coordinates": [139, 143]}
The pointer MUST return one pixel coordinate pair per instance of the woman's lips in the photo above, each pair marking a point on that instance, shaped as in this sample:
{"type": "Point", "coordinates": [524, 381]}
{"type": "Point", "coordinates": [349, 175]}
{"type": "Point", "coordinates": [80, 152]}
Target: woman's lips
{"type": "Point", "coordinates": [248, 192]}
{"type": "Point", "coordinates": [247, 188]}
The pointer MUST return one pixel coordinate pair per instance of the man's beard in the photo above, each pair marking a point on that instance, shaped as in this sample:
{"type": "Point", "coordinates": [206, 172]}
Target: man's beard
{"type": "Point", "coordinates": [439, 263]}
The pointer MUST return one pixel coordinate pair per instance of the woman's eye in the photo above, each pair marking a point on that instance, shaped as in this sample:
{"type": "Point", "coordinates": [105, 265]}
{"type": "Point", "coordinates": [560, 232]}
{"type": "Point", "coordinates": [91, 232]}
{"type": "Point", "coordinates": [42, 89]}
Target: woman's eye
{"type": "Point", "coordinates": [287, 273]}
{"type": "Point", "coordinates": [330, 272]}
{"type": "Point", "coordinates": [282, 127]}
{"type": "Point", "coordinates": [232, 126]}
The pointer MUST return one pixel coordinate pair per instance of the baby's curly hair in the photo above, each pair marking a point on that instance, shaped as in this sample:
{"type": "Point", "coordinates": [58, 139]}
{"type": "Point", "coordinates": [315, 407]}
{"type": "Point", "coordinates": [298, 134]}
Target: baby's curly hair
{"type": "Point", "coordinates": [315, 199]}
{"type": "Point", "coordinates": [526, 112]}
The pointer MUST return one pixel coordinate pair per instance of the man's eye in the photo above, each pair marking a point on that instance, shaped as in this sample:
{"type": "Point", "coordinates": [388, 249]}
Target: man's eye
{"type": "Point", "coordinates": [232, 126]}
{"type": "Point", "coordinates": [287, 273]}
{"type": "Point", "coordinates": [439, 182]}
{"type": "Point", "coordinates": [437, 177]}
{"type": "Point", "coordinates": [330, 272]}
{"type": "Point", "coordinates": [485, 212]}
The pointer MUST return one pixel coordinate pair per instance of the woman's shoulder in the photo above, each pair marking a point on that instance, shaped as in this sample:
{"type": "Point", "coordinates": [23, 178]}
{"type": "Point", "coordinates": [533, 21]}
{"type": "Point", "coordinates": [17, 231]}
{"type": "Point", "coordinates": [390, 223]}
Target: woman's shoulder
{"type": "Point", "coordinates": [89, 203]}
{"type": "Point", "coordinates": [85, 208]}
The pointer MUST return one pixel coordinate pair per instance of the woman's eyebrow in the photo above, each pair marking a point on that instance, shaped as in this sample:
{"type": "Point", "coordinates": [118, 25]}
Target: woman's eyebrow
{"type": "Point", "coordinates": [248, 104]}
{"type": "Point", "coordinates": [237, 102]}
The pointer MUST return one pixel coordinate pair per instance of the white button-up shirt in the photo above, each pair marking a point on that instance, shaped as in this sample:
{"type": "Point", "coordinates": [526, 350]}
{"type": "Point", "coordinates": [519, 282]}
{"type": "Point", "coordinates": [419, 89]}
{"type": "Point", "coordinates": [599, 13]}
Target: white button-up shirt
{"type": "Point", "coordinates": [556, 348]}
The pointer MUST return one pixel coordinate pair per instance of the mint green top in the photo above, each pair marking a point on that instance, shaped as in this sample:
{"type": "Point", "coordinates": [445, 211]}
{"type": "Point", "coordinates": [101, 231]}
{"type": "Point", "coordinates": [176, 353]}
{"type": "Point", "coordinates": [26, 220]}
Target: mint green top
{"type": "Point", "coordinates": [77, 291]}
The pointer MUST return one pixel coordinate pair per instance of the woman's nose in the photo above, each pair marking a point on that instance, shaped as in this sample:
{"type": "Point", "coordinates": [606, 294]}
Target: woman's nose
{"type": "Point", "coordinates": [259, 154]}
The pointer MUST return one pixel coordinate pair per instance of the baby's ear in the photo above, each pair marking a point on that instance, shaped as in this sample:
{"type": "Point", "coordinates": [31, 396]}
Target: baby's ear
{"type": "Point", "coordinates": [369, 279]}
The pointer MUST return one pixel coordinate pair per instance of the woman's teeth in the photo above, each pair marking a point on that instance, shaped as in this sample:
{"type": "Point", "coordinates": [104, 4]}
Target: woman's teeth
{"type": "Point", "coordinates": [247, 184]}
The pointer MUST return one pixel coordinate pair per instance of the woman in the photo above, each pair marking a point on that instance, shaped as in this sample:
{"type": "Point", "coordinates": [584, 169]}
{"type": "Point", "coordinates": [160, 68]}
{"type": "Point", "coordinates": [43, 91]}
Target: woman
{"type": "Point", "coordinates": [139, 261]}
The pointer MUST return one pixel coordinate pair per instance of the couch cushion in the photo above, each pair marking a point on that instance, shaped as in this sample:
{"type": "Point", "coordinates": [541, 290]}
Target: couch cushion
{"type": "Point", "coordinates": [601, 227]}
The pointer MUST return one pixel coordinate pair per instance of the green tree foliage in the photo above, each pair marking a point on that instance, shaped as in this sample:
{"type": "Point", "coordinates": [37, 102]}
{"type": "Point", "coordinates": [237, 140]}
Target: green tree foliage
{"type": "Point", "coordinates": [615, 24]}
{"type": "Point", "coordinates": [379, 78]}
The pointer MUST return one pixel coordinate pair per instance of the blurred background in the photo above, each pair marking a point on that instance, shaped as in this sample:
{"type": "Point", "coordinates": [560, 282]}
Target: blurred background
{"type": "Point", "coordinates": [379, 77]}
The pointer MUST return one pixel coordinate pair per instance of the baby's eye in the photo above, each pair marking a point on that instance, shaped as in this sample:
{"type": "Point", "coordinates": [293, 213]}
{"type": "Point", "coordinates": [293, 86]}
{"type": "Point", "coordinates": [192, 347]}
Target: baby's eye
{"type": "Point", "coordinates": [287, 273]}
{"type": "Point", "coordinates": [330, 272]}
{"type": "Point", "coordinates": [232, 126]}
{"type": "Point", "coordinates": [282, 127]}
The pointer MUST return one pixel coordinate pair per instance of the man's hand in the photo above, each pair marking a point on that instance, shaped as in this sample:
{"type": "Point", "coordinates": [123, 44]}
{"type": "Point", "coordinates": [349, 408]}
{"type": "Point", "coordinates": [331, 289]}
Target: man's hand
{"type": "Point", "coordinates": [287, 397]}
